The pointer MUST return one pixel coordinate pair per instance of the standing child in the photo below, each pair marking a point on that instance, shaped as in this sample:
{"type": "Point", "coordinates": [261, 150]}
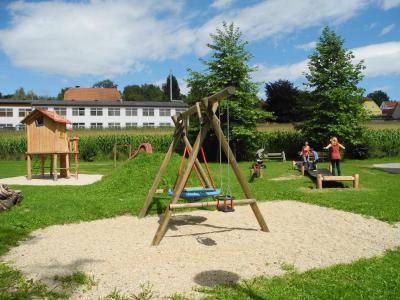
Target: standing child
{"type": "Point", "coordinates": [305, 153]}
{"type": "Point", "coordinates": [334, 147]}
{"type": "Point", "coordinates": [316, 159]}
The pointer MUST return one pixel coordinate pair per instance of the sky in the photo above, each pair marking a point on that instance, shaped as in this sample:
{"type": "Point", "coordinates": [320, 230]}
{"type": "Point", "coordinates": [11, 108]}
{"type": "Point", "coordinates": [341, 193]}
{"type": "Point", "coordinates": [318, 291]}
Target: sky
{"type": "Point", "coordinates": [48, 45]}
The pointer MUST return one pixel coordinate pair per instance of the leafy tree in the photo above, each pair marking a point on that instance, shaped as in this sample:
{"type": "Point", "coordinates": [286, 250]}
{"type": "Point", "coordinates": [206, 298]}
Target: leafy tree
{"type": "Point", "coordinates": [60, 95]}
{"type": "Point", "coordinates": [176, 91]}
{"type": "Point", "coordinates": [19, 94]}
{"type": "Point", "coordinates": [31, 96]}
{"type": "Point", "coordinates": [144, 92]}
{"type": "Point", "coordinates": [282, 100]}
{"type": "Point", "coordinates": [107, 83]}
{"type": "Point", "coordinates": [333, 78]}
{"type": "Point", "coordinates": [378, 96]}
{"type": "Point", "coordinates": [228, 66]}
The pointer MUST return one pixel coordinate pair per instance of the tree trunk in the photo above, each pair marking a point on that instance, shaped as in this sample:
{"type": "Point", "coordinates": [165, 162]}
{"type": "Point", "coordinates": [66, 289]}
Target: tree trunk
{"type": "Point", "coordinates": [9, 197]}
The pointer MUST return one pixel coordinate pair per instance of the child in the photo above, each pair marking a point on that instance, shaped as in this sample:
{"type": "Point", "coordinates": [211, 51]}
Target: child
{"type": "Point", "coordinates": [334, 147]}
{"type": "Point", "coordinates": [316, 157]}
{"type": "Point", "coordinates": [305, 153]}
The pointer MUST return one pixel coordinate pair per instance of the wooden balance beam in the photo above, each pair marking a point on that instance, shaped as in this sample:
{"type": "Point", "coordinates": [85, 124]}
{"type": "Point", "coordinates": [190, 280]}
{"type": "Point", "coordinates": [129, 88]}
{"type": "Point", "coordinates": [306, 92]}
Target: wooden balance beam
{"type": "Point", "coordinates": [208, 204]}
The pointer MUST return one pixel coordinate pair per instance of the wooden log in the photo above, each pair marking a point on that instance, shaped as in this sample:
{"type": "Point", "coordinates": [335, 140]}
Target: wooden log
{"type": "Point", "coordinates": [160, 173]}
{"type": "Point", "coordinates": [51, 165]}
{"type": "Point", "coordinates": [319, 181]}
{"type": "Point", "coordinates": [302, 169]}
{"type": "Point", "coordinates": [55, 167]}
{"type": "Point", "coordinates": [162, 229]}
{"type": "Point", "coordinates": [222, 94]}
{"type": "Point", "coordinates": [356, 182]}
{"type": "Point", "coordinates": [283, 156]}
{"type": "Point", "coordinates": [28, 167]}
{"type": "Point", "coordinates": [338, 178]}
{"type": "Point", "coordinates": [228, 152]}
{"type": "Point", "coordinates": [63, 165]}
{"type": "Point", "coordinates": [208, 204]}
{"type": "Point", "coordinates": [197, 162]}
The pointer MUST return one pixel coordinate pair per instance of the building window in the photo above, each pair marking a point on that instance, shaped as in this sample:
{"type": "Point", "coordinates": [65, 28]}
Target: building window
{"type": "Point", "coordinates": [165, 112]}
{"type": "Point", "coordinates": [6, 112]}
{"type": "Point", "coordinates": [78, 125]}
{"type": "Point", "coordinates": [179, 111]}
{"type": "Point", "coordinates": [96, 125]}
{"type": "Point", "coordinates": [112, 111]}
{"type": "Point", "coordinates": [6, 126]}
{"type": "Point", "coordinates": [39, 122]}
{"type": "Point", "coordinates": [130, 111]}
{"type": "Point", "coordinates": [62, 111]}
{"type": "Point", "coordinates": [131, 125]}
{"type": "Point", "coordinates": [78, 111]}
{"type": "Point", "coordinates": [148, 112]}
{"type": "Point", "coordinates": [165, 124]}
{"type": "Point", "coordinates": [114, 125]}
{"type": "Point", "coordinates": [96, 111]}
{"type": "Point", "coordinates": [22, 112]}
{"type": "Point", "coordinates": [148, 124]}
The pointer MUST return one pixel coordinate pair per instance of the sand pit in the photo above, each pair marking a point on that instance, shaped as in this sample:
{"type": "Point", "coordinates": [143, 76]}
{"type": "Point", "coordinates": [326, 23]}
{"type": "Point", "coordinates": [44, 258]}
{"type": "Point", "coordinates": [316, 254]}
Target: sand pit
{"type": "Point", "coordinates": [202, 248]}
{"type": "Point", "coordinates": [83, 179]}
{"type": "Point", "coordinates": [390, 167]}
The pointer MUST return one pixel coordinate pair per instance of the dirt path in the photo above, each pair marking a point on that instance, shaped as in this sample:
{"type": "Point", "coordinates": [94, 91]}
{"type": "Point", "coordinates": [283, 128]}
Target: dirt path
{"type": "Point", "coordinates": [201, 248]}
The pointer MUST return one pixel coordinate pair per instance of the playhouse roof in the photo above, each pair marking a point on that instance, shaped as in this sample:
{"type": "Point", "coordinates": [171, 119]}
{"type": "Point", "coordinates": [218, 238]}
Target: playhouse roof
{"type": "Point", "coordinates": [48, 113]}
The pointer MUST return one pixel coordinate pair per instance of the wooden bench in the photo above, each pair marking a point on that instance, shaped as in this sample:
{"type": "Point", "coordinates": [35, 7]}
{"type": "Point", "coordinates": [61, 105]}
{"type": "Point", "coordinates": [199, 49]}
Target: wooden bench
{"type": "Point", "coordinates": [279, 156]}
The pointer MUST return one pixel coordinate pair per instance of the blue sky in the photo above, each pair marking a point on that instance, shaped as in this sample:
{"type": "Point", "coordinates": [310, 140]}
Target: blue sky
{"type": "Point", "coordinates": [48, 45]}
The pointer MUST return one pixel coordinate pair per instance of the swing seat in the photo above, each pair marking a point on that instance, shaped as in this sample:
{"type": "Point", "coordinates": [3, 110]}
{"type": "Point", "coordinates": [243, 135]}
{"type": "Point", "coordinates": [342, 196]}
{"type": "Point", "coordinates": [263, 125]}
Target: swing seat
{"type": "Point", "coordinates": [196, 193]}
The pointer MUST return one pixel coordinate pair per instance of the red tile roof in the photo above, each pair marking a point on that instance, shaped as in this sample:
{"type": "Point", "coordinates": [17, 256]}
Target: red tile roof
{"type": "Point", "coordinates": [92, 94]}
{"type": "Point", "coordinates": [388, 107]}
{"type": "Point", "coordinates": [49, 113]}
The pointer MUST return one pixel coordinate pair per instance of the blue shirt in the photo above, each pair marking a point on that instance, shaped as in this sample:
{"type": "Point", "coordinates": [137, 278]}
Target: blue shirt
{"type": "Point", "coordinates": [315, 155]}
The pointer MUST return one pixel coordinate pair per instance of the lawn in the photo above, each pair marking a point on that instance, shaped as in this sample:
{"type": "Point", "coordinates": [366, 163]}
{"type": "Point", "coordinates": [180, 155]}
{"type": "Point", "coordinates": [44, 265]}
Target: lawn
{"type": "Point", "coordinates": [123, 191]}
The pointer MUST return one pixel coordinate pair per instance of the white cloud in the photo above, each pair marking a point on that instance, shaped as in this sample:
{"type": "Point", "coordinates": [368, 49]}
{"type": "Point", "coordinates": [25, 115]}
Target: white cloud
{"type": "Point", "coordinates": [306, 46]}
{"type": "Point", "coordinates": [384, 88]}
{"type": "Point", "coordinates": [387, 29]}
{"type": "Point", "coordinates": [389, 4]}
{"type": "Point", "coordinates": [220, 4]}
{"type": "Point", "coordinates": [380, 59]}
{"type": "Point", "coordinates": [97, 37]}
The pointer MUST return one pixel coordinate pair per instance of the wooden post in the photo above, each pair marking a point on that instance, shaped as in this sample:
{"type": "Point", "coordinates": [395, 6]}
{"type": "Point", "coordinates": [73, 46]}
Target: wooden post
{"type": "Point", "coordinates": [160, 173]}
{"type": "Point", "coordinates": [51, 165]}
{"type": "Point", "coordinates": [319, 181]}
{"type": "Point", "coordinates": [283, 156]}
{"type": "Point", "coordinates": [42, 165]}
{"type": "Point", "coordinates": [228, 152]}
{"type": "Point", "coordinates": [302, 169]}
{"type": "Point", "coordinates": [115, 155]}
{"type": "Point", "coordinates": [197, 162]}
{"type": "Point", "coordinates": [129, 150]}
{"type": "Point", "coordinates": [162, 229]}
{"type": "Point", "coordinates": [68, 166]}
{"type": "Point", "coordinates": [55, 167]}
{"type": "Point", "coordinates": [356, 181]}
{"type": "Point", "coordinates": [63, 165]}
{"type": "Point", "coordinates": [28, 167]}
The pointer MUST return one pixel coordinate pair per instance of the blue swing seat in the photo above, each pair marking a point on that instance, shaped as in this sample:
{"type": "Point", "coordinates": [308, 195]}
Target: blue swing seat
{"type": "Point", "coordinates": [196, 193]}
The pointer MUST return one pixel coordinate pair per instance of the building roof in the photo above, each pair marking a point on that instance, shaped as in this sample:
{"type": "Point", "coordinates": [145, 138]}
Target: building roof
{"type": "Point", "coordinates": [49, 113]}
{"type": "Point", "coordinates": [92, 94]}
{"type": "Point", "coordinates": [58, 103]}
{"type": "Point", "coordinates": [387, 111]}
{"type": "Point", "coordinates": [388, 104]}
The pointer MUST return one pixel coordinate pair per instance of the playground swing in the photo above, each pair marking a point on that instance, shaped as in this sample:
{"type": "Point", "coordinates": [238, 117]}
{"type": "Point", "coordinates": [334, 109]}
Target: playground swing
{"type": "Point", "coordinates": [206, 107]}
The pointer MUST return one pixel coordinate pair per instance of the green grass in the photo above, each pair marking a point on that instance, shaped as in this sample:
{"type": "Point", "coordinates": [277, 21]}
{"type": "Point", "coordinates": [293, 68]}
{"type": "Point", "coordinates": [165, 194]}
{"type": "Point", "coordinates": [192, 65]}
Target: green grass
{"type": "Point", "coordinates": [123, 190]}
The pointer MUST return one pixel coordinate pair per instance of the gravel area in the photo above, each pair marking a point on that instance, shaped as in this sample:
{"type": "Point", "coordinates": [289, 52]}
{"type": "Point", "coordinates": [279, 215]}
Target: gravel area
{"type": "Point", "coordinates": [83, 179]}
{"type": "Point", "coordinates": [390, 167]}
{"type": "Point", "coordinates": [201, 248]}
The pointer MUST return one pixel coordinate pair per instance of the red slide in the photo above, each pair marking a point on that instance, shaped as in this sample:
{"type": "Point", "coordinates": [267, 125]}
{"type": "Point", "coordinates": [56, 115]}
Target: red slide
{"type": "Point", "coordinates": [143, 147]}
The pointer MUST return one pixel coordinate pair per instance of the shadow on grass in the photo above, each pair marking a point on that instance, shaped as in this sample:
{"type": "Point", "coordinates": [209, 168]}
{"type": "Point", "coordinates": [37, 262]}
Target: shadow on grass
{"type": "Point", "coordinates": [215, 277]}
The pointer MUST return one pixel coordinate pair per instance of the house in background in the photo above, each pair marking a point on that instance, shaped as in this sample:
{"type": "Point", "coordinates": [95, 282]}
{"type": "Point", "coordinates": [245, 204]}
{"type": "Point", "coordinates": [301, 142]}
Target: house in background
{"type": "Point", "coordinates": [373, 110]}
{"type": "Point", "coordinates": [92, 94]}
{"type": "Point", "coordinates": [388, 110]}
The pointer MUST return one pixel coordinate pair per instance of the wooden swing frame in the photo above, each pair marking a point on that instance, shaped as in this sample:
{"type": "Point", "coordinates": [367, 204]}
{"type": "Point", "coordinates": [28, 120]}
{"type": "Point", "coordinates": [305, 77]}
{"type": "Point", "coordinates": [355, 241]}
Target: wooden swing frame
{"type": "Point", "coordinates": [207, 106]}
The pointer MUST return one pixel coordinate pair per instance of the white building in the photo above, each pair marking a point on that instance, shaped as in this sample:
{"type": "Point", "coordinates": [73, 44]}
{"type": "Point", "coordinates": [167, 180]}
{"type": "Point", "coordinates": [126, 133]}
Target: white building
{"type": "Point", "coordinates": [95, 114]}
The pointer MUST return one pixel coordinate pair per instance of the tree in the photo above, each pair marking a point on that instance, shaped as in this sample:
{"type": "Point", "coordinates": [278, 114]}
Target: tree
{"type": "Point", "coordinates": [378, 96]}
{"type": "Point", "coordinates": [107, 83]}
{"type": "Point", "coordinates": [176, 91]}
{"type": "Point", "coordinates": [60, 95]}
{"type": "Point", "coordinates": [31, 96]}
{"type": "Point", "coordinates": [282, 100]}
{"type": "Point", "coordinates": [19, 94]}
{"type": "Point", "coordinates": [333, 78]}
{"type": "Point", "coordinates": [228, 66]}
{"type": "Point", "coordinates": [144, 92]}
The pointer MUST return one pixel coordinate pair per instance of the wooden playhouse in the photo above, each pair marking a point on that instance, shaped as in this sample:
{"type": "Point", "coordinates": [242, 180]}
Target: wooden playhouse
{"type": "Point", "coordinates": [47, 137]}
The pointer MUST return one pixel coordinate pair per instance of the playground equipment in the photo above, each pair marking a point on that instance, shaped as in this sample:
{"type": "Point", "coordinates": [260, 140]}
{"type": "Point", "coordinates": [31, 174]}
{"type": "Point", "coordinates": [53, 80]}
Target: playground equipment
{"type": "Point", "coordinates": [47, 136]}
{"type": "Point", "coordinates": [262, 154]}
{"type": "Point", "coordinates": [207, 107]}
{"type": "Point", "coordinates": [142, 147]}
{"type": "Point", "coordinates": [324, 175]}
{"type": "Point", "coordinates": [9, 197]}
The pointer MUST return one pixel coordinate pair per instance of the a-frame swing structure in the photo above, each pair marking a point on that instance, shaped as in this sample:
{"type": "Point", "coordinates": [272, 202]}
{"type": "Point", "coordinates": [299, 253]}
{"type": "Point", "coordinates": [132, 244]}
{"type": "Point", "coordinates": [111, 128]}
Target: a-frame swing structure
{"type": "Point", "coordinates": [208, 107]}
